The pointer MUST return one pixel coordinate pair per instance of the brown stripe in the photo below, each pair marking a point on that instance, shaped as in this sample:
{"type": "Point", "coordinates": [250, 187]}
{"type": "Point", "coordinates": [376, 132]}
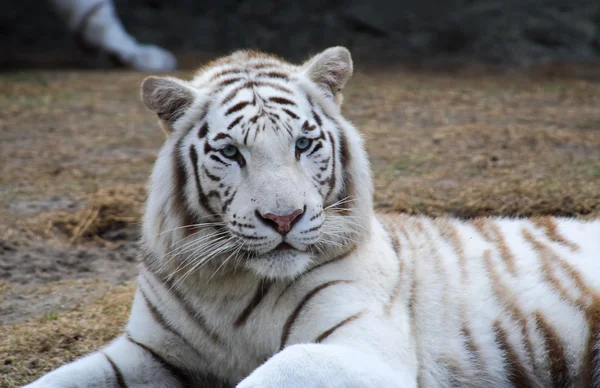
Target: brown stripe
{"type": "Point", "coordinates": [492, 233]}
{"type": "Point", "coordinates": [470, 344]}
{"type": "Point", "coordinates": [516, 372]}
{"type": "Point", "coordinates": [449, 233]}
{"type": "Point", "coordinates": [480, 225]}
{"type": "Point", "coordinates": [261, 291]}
{"type": "Point", "coordinates": [398, 286]}
{"type": "Point", "coordinates": [591, 362]}
{"type": "Point", "coordinates": [178, 373]}
{"type": "Point", "coordinates": [546, 255]}
{"type": "Point", "coordinates": [559, 371]}
{"type": "Point", "coordinates": [118, 374]}
{"type": "Point", "coordinates": [551, 229]}
{"type": "Point", "coordinates": [505, 252]}
{"type": "Point", "coordinates": [289, 324]}
{"type": "Point", "coordinates": [508, 299]}
{"type": "Point", "coordinates": [323, 336]}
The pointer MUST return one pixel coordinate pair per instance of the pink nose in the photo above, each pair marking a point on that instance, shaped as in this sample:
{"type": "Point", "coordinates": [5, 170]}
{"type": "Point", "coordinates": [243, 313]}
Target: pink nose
{"type": "Point", "coordinates": [283, 224]}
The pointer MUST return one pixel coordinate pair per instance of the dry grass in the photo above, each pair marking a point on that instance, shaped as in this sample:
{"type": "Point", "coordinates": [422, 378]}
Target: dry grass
{"type": "Point", "coordinates": [106, 210]}
{"type": "Point", "coordinates": [30, 349]}
{"type": "Point", "coordinates": [439, 144]}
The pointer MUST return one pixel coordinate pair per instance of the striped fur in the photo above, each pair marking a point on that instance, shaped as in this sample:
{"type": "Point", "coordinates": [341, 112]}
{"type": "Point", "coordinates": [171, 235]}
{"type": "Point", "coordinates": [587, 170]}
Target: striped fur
{"type": "Point", "coordinates": [346, 297]}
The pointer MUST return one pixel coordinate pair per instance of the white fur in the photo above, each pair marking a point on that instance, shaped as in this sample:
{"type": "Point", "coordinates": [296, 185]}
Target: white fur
{"type": "Point", "coordinates": [433, 313]}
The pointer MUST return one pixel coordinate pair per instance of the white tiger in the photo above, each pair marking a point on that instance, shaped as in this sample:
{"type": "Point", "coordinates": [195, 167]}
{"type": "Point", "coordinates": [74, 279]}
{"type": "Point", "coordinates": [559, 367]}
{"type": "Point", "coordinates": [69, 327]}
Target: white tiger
{"type": "Point", "coordinates": [266, 265]}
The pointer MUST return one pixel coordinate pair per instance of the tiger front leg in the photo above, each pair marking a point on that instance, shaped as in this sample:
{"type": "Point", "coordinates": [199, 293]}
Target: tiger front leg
{"type": "Point", "coordinates": [324, 365]}
{"type": "Point", "coordinates": [122, 363]}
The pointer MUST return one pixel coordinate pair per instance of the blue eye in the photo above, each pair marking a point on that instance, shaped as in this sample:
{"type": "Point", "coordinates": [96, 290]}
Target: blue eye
{"type": "Point", "coordinates": [229, 151]}
{"type": "Point", "coordinates": [303, 144]}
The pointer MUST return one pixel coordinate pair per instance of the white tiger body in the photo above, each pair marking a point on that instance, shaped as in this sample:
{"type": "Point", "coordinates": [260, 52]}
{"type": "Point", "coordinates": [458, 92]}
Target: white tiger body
{"type": "Point", "coordinates": [355, 298]}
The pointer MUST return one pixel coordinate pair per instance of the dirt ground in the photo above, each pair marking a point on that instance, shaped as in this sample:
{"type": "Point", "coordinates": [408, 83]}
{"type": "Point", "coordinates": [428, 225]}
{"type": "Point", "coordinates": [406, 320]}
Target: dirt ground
{"type": "Point", "coordinates": [76, 149]}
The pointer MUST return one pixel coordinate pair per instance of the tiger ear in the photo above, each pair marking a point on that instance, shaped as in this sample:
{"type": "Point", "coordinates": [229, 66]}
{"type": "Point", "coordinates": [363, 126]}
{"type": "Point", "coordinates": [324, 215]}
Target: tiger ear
{"type": "Point", "coordinates": [167, 97]}
{"type": "Point", "coordinates": [330, 70]}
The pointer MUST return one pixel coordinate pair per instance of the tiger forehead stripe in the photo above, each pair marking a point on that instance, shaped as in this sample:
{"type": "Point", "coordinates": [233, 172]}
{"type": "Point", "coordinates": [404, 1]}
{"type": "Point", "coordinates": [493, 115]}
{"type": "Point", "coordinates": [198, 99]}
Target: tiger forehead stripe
{"type": "Point", "coordinates": [221, 136]}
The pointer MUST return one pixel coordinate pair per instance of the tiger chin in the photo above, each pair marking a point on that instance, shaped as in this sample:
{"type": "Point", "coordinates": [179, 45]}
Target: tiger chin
{"type": "Point", "coordinates": [265, 264]}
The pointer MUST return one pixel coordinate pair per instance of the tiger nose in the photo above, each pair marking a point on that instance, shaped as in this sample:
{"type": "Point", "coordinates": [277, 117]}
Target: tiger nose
{"type": "Point", "coordinates": [282, 224]}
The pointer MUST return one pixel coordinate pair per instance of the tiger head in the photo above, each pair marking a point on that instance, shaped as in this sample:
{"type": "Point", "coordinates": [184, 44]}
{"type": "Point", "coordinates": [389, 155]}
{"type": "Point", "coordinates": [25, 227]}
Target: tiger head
{"type": "Point", "coordinates": [260, 170]}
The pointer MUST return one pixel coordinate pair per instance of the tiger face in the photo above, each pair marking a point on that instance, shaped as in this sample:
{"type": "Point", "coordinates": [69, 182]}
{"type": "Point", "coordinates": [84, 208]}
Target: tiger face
{"type": "Point", "coordinates": [259, 163]}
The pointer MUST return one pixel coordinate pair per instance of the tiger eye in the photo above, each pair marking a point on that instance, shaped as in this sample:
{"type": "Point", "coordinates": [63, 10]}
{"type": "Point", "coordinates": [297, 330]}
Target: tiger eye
{"type": "Point", "coordinates": [303, 143]}
{"type": "Point", "coordinates": [229, 151]}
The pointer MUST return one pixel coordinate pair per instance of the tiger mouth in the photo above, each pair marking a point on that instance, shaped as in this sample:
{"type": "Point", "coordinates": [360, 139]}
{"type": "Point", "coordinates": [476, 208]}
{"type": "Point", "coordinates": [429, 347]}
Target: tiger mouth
{"type": "Point", "coordinates": [284, 246]}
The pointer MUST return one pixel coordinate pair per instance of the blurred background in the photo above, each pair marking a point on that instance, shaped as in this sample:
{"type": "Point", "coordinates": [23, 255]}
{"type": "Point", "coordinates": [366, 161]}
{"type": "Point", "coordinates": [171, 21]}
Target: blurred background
{"type": "Point", "coordinates": [506, 32]}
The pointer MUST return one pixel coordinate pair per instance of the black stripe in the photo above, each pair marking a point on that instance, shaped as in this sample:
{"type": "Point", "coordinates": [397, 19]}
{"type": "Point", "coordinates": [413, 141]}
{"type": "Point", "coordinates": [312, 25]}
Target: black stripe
{"type": "Point", "coordinates": [228, 81]}
{"type": "Point", "coordinates": [317, 118]}
{"type": "Point", "coordinates": [202, 199]}
{"type": "Point", "coordinates": [186, 217]}
{"type": "Point", "coordinates": [219, 160]}
{"type": "Point", "coordinates": [118, 374]}
{"type": "Point", "coordinates": [234, 93]}
{"type": "Point", "coordinates": [323, 336]}
{"type": "Point", "coordinates": [228, 202]}
{"type": "Point", "coordinates": [317, 147]}
{"type": "Point", "coordinates": [282, 101]}
{"type": "Point", "coordinates": [273, 74]}
{"type": "Point", "coordinates": [289, 324]}
{"type": "Point", "coordinates": [212, 177]}
{"type": "Point", "coordinates": [220, 136]}
{"type": "Point", "coordinates": [225, 72]}
{"type": "Point", "coordinates": [237, 107]}
{"type": "Point", "coordinates": [275, 86]}
{"type": "Point", "coordinates": [290, 113]}
{"type": "Point", "coordinates": [235, 122]}
{"type": "Point", "coordinates": [203, 131]}
{"type": "Point", "coordinates": [247, 236]}
{"type": "Point", "coordinates": [307, 127]}
{"type": "Point", "coordinates": [191, 311]}
{"type": "Point", "coordinates": [333, 163]}
{"type": "Point", "coordinates": [261, 291]}
{"type": "Point", "coordinates": [208, 148]}
{"type": "Point", "coordinates": [181, 375]}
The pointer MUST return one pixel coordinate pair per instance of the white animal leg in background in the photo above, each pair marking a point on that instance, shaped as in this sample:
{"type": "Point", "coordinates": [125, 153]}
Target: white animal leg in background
{"type": "Point", "coordinates": [99, 26]}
